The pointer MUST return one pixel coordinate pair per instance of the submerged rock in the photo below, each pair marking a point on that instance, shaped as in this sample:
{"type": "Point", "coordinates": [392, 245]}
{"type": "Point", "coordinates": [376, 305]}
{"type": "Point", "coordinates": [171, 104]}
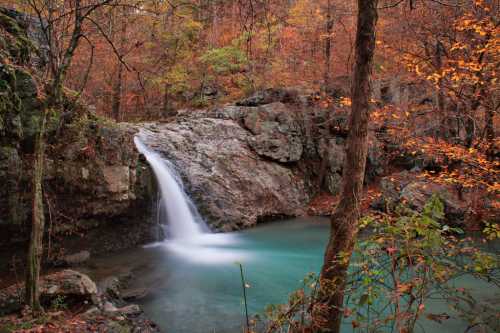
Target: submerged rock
{"type": "Point", "coordinates": [76, 258]}
{"type": "Point", "coordinates": [130, 310]}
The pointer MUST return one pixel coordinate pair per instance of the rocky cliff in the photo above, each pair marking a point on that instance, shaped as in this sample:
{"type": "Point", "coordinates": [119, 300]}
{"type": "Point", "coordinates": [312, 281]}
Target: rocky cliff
{"type": "Point", "coordinates": [94, 178]}
{"type": "Point", "coordinates": [261, 159]}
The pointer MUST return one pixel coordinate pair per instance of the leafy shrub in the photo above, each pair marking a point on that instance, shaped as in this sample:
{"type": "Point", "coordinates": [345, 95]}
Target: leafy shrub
{"type": "Point", "coordinates": [402, 262]}
{"type": "Point", "coordinates": [225, 60]}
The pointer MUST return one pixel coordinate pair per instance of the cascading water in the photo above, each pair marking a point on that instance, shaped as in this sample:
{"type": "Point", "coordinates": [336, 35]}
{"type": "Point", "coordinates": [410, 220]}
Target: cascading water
{"type": "Point", "coordinates": [181, 220]}
{"type": "Point", "coordinates": [187, 233]}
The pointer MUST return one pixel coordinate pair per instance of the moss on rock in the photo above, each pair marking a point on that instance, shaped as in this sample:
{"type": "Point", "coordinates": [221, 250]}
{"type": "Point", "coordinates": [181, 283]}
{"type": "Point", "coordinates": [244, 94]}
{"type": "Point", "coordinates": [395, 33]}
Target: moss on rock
{"type": "Point", "coordinates": [14, 38]}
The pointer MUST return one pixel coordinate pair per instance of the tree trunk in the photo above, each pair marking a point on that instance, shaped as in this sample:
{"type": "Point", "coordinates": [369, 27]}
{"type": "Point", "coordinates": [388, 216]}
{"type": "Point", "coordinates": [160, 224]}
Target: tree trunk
{"type": "Point", "coordinates": [328, 44]}
{"type": "Point", "coordinates": [118, 87]}
{"type": "Point", "coordinates": [344, 222]}
{"type": "Point", "coordinates": [443, 130]}
{"type": "Point", "coordinates": [489, 131]}
{"type": "Point", "coordinates": [470, 129]}
{"type": "Point", "coordinates": [53, 100]}
{"type": "Point", "coordinates": [117, 94]}
{"type": "Point", "coordinates": [166, 101]}
{"type": "Point", "coordinates": [38, 221]}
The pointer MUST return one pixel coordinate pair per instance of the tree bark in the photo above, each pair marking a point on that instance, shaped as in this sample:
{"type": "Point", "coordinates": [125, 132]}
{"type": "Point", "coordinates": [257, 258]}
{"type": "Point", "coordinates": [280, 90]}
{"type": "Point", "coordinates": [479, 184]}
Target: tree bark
{"type": "Point", "coordinates": [117, 94]}
{"type": "Point", "coordinates": [489, 130]}
{"type": "Point", "coordinates": [53, 100]}
{"type": "Point", "coordinates": [441, 102]}
{"type": "Point", "coordinates": [328, 44]}
{"type": "Point", "coordinates": [118, 87]}
{"type": "Point", "coordinates": [344, 222]}
{"type": "Point", "coordinates": [38, 222]}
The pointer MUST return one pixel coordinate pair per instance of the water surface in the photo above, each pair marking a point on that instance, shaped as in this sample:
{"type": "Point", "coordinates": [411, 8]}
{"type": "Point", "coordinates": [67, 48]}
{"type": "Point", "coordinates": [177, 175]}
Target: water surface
{"type": "Point", "coordinates": [198, 288]}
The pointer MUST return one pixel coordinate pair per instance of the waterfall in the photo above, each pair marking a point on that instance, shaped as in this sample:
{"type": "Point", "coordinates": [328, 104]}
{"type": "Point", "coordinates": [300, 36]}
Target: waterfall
{"type": "Point", "coordinates": [181, 213]}
{"type": "Point", "coordinates": [188, 235]}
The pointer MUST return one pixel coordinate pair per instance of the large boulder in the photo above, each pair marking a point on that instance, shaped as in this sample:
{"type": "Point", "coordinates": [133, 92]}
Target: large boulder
{"type": "Point", "coordinates": [276, 133]}
{"type": "Point", "coordinates": [67, 285]}
{"type": "Point", "coordinates": [415, 190]}
{"type": "Point", "coordinates": [263, 157]}
{"type": "Point", "coordinates": [231, 184]}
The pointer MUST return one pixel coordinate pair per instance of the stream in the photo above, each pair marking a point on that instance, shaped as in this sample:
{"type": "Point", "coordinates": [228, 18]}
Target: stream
{"type": "Point", "coordinates": [200, 290]}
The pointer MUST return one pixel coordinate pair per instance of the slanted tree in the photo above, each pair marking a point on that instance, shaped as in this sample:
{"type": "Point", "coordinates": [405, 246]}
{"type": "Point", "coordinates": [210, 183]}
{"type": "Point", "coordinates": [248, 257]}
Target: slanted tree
{"type": "Point", "coordinates": [344, 221]}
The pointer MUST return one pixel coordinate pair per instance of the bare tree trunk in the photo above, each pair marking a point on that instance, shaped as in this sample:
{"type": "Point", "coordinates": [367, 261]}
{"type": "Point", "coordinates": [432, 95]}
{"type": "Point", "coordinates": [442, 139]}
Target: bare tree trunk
{"type": "Point", "coordinates": [489, 128]}
{"type": "Point", "coordinates": [117, 94]}
{"type": "Point", "coordinates": [166, 101]}
{"type": "Point", "coordinates": [470, 129]}
{"type": "Point", "coordinates": [441, 103]}
{"type": "Point", "coordinates": [328, 44]}
{"type": "Point", "coordinates": [118, 87]}
{"type": "Point", "coordinates": [344, 222]}
{"type": "Point", "coordinates": [38, 222]}
{"type": "Point", "coordinates": [489, 131]}
{"type": "Point", "coordinates": [470, 123]}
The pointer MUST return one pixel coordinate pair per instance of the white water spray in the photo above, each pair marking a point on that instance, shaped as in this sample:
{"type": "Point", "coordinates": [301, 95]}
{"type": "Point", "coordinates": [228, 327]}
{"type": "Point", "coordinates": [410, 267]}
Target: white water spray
{"type": "Point", "coordinates": [188, 235]}
{"type": "Point", "coordinates": [182, 224]}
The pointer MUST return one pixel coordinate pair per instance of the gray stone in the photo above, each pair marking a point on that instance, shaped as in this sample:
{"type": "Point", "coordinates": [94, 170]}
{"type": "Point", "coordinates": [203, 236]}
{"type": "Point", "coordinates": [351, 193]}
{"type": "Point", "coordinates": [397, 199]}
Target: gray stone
{"type": "Point", "coordinates": [68, 283]}
{"type": "Point", "coordinates": [134, 294]}
{"type": "Point", "coordinates": [232, 186]}
{"type": "Point", "coordinates": [117, 179]}
{"type": "Point", "coordinates": [276, 134]}
{"type": "Point", "coordinates": [409, 189]}
{"type": "Point", "coordinates": [110, 286]}
{"type": "Point", "coordinates": [109, 307]}
{"type": "Point", "coordinates": [76, 258]}
{"type": "Point", "coordinates": [270, 95]}
{"type": "Point", "coordinates": [130, 310]}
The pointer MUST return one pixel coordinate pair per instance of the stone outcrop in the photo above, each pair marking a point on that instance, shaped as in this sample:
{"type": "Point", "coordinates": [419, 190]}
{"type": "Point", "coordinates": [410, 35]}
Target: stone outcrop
{"type": "Point", "coordinates": [415, 190]}
{"type": "Point", "coordinates": [94, 178]}
{"type": "Point", "coordinates": [258, 160]}
{"type": "Point", "coordinates": [231, 184]}
{"type": "Point", "coordinates": [78, 304]}
{"type": "Point", "coordinates": [67, 284]}
{"type": "Point", "coordinates": [276, 134]}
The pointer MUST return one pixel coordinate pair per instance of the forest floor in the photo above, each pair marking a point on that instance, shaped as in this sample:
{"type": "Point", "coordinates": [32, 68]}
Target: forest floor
{"type": "Point", "coordinates": [324, 203]}
{"type": "Point", "coordinates": [75, 320]}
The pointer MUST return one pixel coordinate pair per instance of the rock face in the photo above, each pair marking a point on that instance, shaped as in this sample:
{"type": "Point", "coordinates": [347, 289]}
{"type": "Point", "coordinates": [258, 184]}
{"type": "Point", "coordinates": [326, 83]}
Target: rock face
{"type": "Point", "coordinates": [102, 170]}
{"type": "Point", "coordinates": [412, 189]}
{"type": "Point", "coordinates": [232, 186]}
{"type": "Point", "coordinates": [94, 179]}
{"type": "Point", "coordinates": [276, 134]}
{"type": "Point", "coordinates": [258, 160]}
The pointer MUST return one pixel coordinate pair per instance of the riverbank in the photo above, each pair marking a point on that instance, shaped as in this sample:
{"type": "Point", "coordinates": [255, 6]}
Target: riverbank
{"type": "Point", "coordinates": [73, 302]}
